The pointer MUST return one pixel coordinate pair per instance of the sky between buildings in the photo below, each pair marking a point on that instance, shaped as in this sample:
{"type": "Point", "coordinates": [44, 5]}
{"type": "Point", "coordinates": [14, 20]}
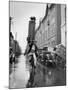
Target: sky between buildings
{"type": "Point", "coordinates": [21, 13]}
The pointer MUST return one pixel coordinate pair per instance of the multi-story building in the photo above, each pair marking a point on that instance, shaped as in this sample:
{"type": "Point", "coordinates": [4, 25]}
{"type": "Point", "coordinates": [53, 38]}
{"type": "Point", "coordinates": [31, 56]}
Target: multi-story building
{"type": "Point", "coordinates": [31, 29]}
{"type": "Point", "coordinates": [31, 33]}
{"type": "Point", "coordinates": [49, 32]}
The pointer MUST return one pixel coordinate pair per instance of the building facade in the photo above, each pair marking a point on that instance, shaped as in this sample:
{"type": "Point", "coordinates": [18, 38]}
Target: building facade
{"type": "Point", "coordinates": [49, 31]}
{"type": "Point", "coordinates": [63, 24]}
{"type": "Point", "coordinates": [31, 30]}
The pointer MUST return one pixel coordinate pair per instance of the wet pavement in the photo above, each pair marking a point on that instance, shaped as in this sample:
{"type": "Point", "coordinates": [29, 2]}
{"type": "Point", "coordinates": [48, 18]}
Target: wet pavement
{"type": "Point", "coordinates": [50, 77]}
{"type": "Point", "coordinates": [44, 76]}
{"type": "Point", "coordinates": [20, 75]}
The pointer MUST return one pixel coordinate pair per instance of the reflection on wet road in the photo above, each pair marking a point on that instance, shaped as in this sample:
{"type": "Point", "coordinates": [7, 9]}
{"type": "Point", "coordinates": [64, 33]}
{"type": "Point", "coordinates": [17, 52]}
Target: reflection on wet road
{"type": "Point", "coordinates": [49, 76]}
{"type": "Point", "coordinates": [43, 77]}
{"type": "Point", "coordinates": [19, 77]}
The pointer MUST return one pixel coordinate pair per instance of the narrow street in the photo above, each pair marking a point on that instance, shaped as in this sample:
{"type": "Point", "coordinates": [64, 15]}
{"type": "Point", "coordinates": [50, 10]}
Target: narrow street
{"type": "Point", "coordinates": [44, 76]}
{"type": "Point", "coordinates": [37, 45]}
